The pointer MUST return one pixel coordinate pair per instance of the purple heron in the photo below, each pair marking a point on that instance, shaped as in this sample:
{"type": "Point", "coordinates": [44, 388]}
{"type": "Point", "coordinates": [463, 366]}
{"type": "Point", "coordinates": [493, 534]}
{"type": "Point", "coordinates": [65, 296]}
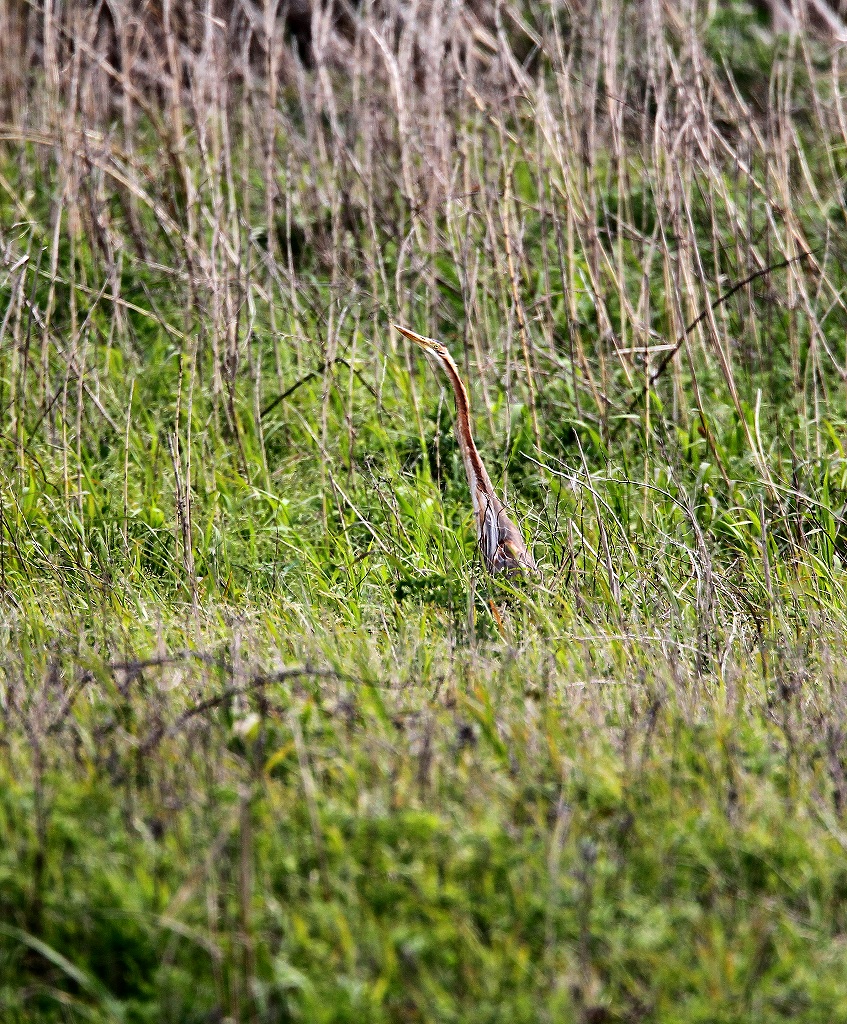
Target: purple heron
{"type": "Point", "coordinates": [500, 541]}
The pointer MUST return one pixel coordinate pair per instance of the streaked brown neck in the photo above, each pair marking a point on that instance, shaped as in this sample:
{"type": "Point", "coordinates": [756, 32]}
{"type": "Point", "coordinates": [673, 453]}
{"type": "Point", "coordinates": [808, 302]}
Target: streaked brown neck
{"type": "Point", "coordinates": [477, 474]}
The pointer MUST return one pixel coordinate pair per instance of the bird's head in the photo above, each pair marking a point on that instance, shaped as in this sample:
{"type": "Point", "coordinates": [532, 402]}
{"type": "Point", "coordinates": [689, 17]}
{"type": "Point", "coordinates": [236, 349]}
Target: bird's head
{"type": "Point", "coordinates": [427, 344]}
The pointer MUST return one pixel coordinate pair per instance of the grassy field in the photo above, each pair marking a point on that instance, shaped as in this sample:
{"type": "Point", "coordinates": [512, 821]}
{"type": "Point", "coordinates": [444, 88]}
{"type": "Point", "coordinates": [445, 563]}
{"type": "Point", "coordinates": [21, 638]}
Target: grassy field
{"type": "Point", "coordinates": [273, 747]}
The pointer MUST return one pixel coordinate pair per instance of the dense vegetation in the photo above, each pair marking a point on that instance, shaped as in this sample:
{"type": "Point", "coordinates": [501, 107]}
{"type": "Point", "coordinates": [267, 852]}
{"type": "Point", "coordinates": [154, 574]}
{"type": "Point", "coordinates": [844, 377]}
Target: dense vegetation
{"type": "Point", "coordinates": [272, 745]}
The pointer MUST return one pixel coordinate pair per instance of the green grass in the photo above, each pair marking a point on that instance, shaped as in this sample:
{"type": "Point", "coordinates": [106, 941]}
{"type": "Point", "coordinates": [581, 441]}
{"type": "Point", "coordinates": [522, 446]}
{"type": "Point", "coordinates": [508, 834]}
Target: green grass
{"type": "Point", "coordinates": [272, 745]}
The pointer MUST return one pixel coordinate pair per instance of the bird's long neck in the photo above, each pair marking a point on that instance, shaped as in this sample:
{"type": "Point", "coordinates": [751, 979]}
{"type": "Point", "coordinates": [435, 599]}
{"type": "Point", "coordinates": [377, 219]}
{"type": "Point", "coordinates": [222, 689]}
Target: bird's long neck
{"type": "Point", "coordinates": [478, 478]}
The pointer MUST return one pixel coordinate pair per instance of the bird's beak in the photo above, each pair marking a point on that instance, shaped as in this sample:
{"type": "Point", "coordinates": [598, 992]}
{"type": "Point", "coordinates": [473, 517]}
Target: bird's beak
{"type": "Point", "coordinates": [430, 344]}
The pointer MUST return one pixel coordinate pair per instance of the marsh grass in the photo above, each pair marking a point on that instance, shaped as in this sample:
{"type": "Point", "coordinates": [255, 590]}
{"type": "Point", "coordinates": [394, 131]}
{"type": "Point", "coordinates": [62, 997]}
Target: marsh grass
{"type": "Point", "coordinates": [273, 745]}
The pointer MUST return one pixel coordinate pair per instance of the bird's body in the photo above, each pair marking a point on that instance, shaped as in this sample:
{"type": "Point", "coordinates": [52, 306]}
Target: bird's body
{"type": "Point", "coordinates": [503, 548]}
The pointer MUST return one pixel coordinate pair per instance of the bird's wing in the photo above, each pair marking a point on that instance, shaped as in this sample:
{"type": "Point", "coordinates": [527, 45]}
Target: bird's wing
{"type": "Point", "coordinates": [503, 547]}
{"type": "Point", "coordinates": [489, 534]}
